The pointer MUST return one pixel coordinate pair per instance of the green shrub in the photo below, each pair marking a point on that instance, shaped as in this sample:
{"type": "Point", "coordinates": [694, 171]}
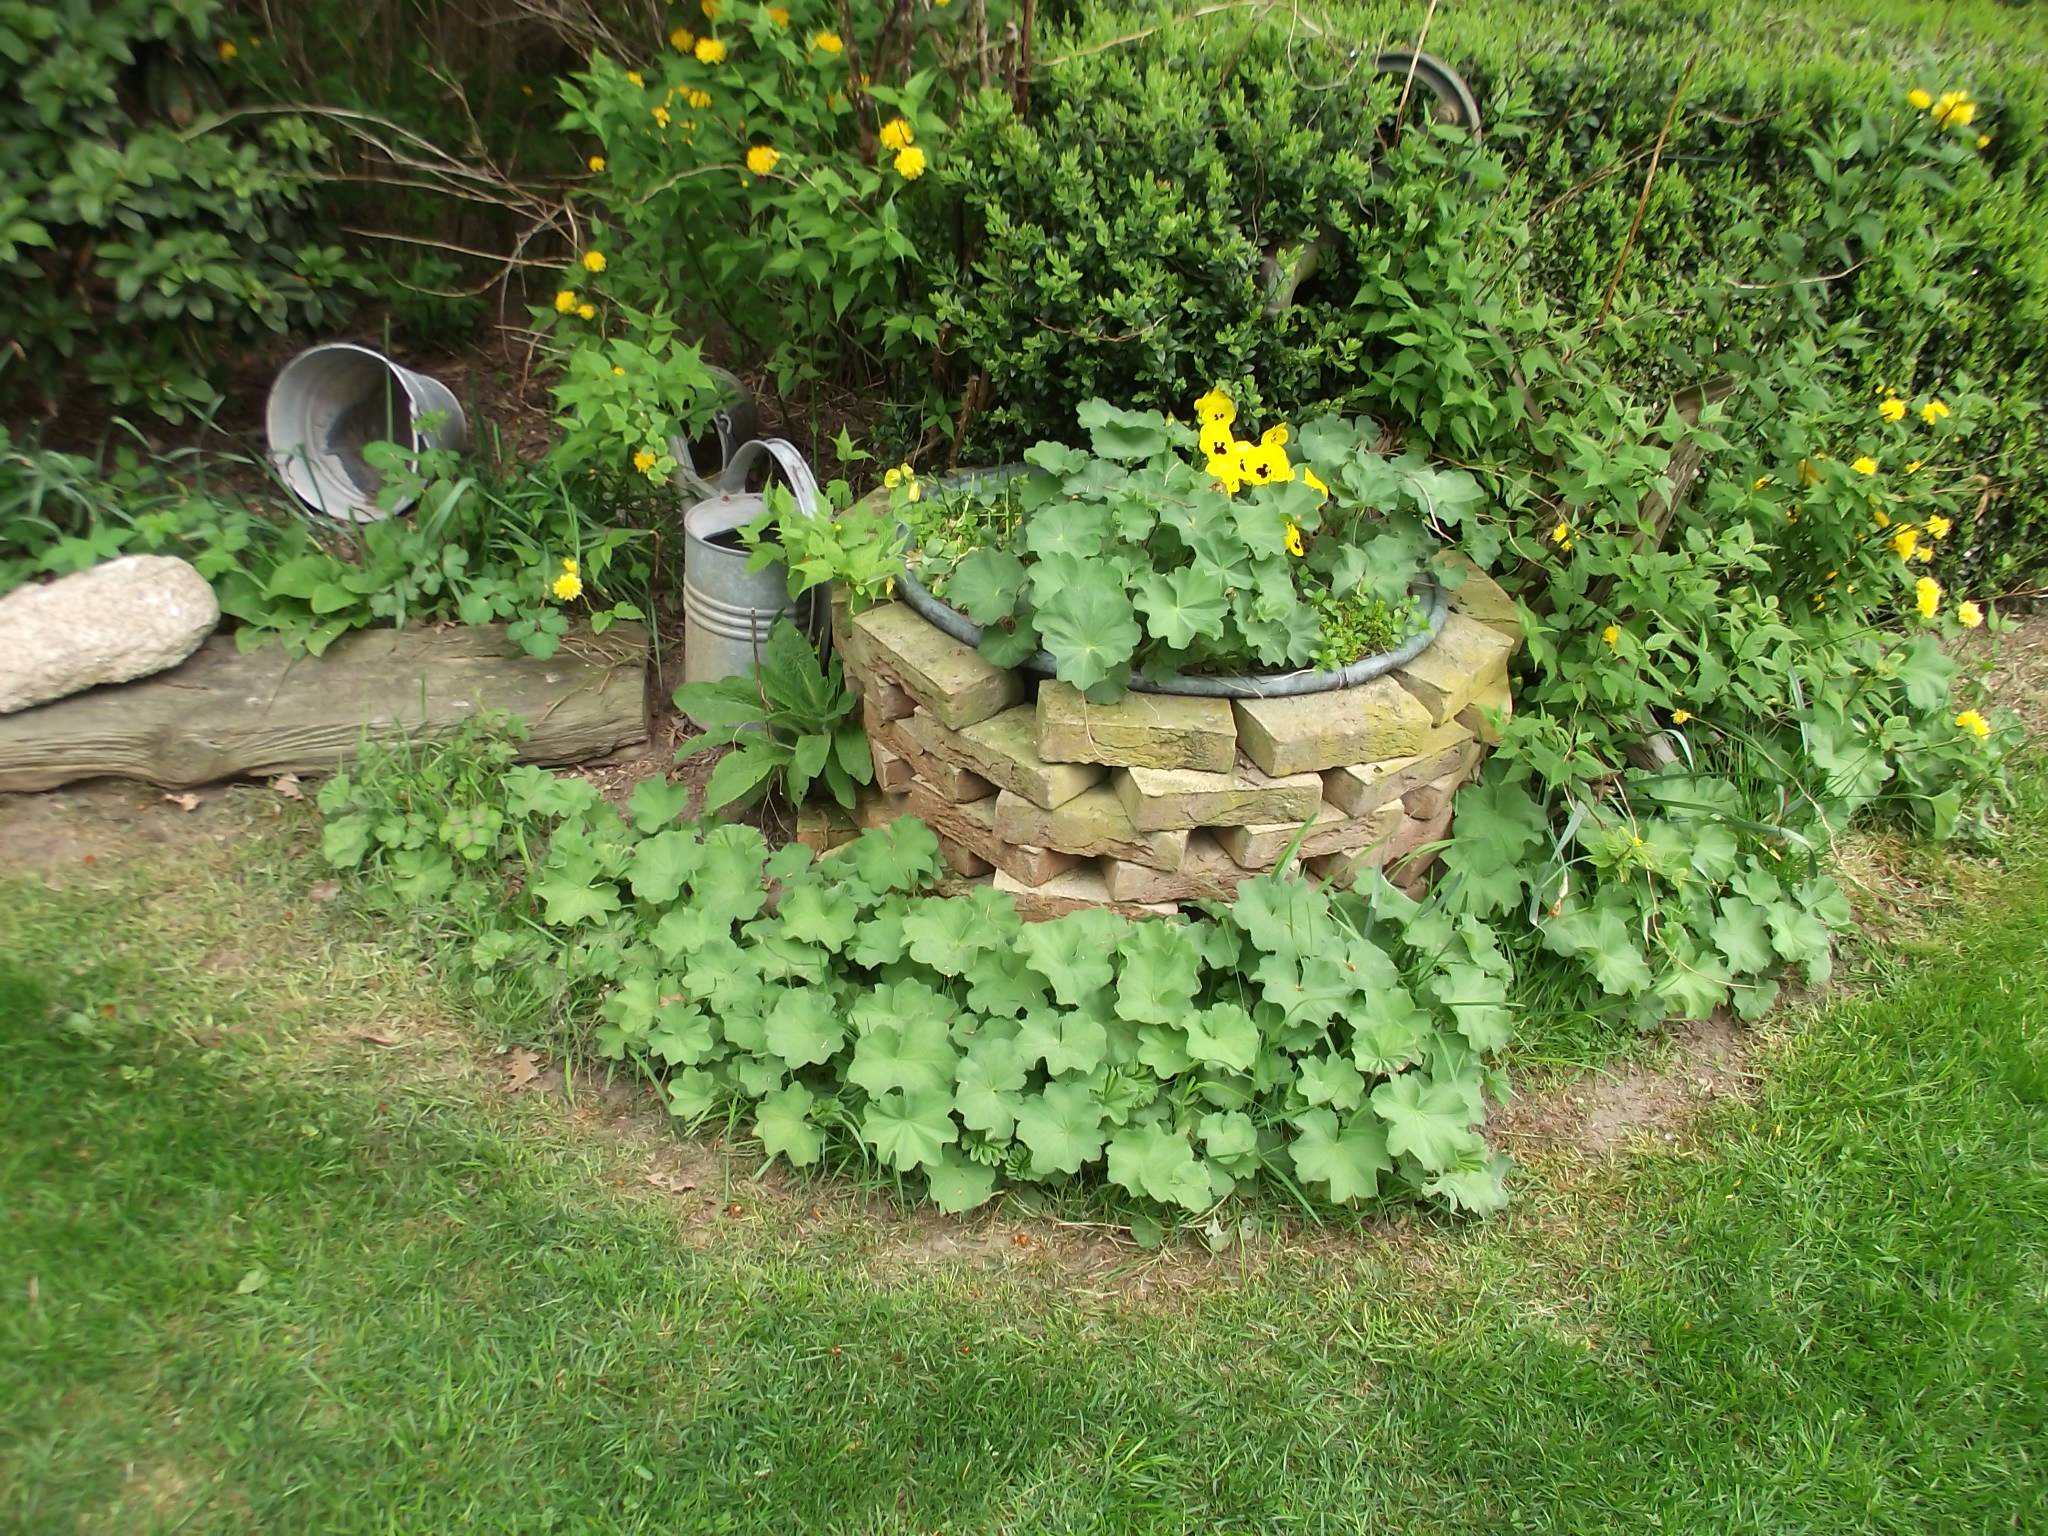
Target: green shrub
{"type": "Point", "coordinates": [145, 231]}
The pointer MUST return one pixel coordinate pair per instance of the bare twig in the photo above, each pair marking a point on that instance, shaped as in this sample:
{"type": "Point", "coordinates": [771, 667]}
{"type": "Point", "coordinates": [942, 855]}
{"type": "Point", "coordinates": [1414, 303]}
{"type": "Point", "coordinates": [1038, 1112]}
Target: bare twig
{"type": "Point", "coordinates": [1643, 203]}
{"type": "Point", "coordinates": [1414, 59]}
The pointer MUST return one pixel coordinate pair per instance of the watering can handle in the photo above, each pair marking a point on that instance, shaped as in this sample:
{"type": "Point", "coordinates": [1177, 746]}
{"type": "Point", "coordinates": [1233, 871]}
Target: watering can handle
{"type": "Point", "coordinates": [788, 459]}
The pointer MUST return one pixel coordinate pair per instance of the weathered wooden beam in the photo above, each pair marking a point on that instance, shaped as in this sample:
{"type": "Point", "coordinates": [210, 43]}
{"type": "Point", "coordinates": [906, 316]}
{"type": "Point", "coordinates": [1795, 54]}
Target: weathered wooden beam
{"type": "Point", "coordinates": [225, 714]}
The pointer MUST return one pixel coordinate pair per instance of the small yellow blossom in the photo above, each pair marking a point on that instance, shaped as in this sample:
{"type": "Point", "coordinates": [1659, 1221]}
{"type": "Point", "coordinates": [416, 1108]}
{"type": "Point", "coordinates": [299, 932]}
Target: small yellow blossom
{"type": "Point", "coordinates": [1893, 409]}
{"type": "Point", "coordinates": [661, 117]}
{"type": "Point", "coordinates": [619, 371]}
{"type": "Point", "coordinates": [1611, 634]}
{"type": "Point", "coordinates": [682, 39]}
{"type": "Point", "coordinates": [1761, 481]}
{"type": "Point", "coordinates": [226, 50]}
{"type": "Point", "coordinates": [1904, 541]}
{"type": "Point", "coordinates": [1938, 526]}
{"type": "Point", "coordinates": [761, 159]}
{"type": "Point", "coordinates": [913, 491]}
{"type": "Point", "coordinates": [586, 311]}
{"type": "Point", "coordinates": [568, 586]}
{"type": "Point", "coordinates": [1932, 412]}
{"type": "Point", "coordinates": [1955, 110]}
{"type": "Point", "coordinates": [910, 163]}
{"type": "Point", "coordinates": [1808, 475]}
{"type": "Point", "coordinates": [1308, 478]}
{"type": "Point", "coordinates": [829, 42]}
{"type": "Point", "coordinates": [1983, 140]}
{"type": "Point", "coordinates": [897, 133]}
{"type": "Point", "coordinates": [779, 16]}
{"type": "Point", "coordinates": [1680, 716]}
{"type": "Point", "coordinates": [634, 76]}
{"type": "Point", "coordinates": [593, 261]}
{"type": "Point", "coordinates": [710, 50]}
{"type": "Point", "coordinates": [1974, 723]}
{"type": "Point", "coordinates": [1293, 540]}
{"type": "Point", "coordinates": [1911, 465]}
{"type": "Point", "coordinates": [1927, 596]}
{"type": "Point", "coordinates": [698, 99]}
{"type": "Point", "coordinates": [596, 162]}
{"type": "Point", "coordinates": [712, 9]}
{"type": "Point", "coordinates": [643, 461]}
{"type": "Point", "coordinates": [565, 301]}
{"type": "Point", "coordinates": [1969, 615]}
{"type": "Point", "coordinates": [1865, 465]}
{"type": "Point", "coordinates": [1919, 99]}
{"type": "Point", "coordinates": [1227, 466]}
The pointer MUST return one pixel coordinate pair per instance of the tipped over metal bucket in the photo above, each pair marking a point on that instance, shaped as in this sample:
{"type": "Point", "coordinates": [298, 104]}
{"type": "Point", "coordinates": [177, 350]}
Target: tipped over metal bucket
{"type": "Point", "coordinates": [331, 402]}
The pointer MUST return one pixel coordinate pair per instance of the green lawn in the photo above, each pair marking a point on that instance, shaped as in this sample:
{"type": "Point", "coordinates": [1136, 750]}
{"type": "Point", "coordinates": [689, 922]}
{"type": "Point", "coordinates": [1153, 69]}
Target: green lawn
{"type": "Point", "coordinates": [286, 1280]}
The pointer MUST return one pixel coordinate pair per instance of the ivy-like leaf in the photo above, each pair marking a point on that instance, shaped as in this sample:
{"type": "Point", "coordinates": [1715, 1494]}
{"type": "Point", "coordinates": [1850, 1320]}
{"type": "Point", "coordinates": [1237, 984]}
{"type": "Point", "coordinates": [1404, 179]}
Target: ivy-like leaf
{"type": "Point", "coordinates": [910, 1130]}
{"type": "Point", "coordinates": [1182, 606]}
{"type": "Point", "coordinates": [1073, 952]}
{"type": "Point", "coordinates": [664, 864]}
{"type": "Point", "coordinates": [1347, 1157]}
{"type": "Point", "coordinates": [1330, 1080]}
{"type": "Point", "coordinates": [575, 897]}
{"type": "Point", "coordinates": [914, 1053]}
{"type": "Point", "coordinates": [1062, 1126]}
{"type": "Point", "coordinates": [1157, 1162]}
{"type": "Point", "coordinates": [782, 1124]}
{"type": "Point", "coordinates": [1743, 936]}
{"type": "Point", "coordinates": [801, 1027]}
{"type": "Point", "coordinates": [1426, 1120]}
{"type": "Point", "coordinates": [1065, 1042]}
{"type": "Point", "coordinates": [1161, 973]}
{"type": "Point", "coordinates": [819, 914]}
{"type": "Point", "coordinates": [656, 803]}
{"type": "Point", "coordinates": [1090, 630]}
{"type": "Point", "coordinates": [904, 857]}
{"type": "Point", "coordinates": [1223, 1035]}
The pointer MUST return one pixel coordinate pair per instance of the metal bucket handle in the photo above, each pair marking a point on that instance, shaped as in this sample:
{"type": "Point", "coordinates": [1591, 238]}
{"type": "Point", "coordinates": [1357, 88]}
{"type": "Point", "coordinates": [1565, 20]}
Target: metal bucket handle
{"type": "Point", "coordinates": [731, 506]}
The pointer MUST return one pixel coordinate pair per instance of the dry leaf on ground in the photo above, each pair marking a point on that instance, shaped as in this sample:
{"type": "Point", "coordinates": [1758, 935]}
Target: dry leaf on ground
{"type": "Point", "coordinates": [521, 1069]}
{"type": "Point", "coordinates": [184, 802]}
{"type": "Point", "coordinates": [323, 890]}
{"type": "Point", "coordinates": [287, 784]}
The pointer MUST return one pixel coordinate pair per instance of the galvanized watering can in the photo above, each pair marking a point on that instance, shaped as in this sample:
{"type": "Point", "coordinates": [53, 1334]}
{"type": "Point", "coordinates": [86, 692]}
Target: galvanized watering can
{"type": "Point", "coordinates": [728, 611]}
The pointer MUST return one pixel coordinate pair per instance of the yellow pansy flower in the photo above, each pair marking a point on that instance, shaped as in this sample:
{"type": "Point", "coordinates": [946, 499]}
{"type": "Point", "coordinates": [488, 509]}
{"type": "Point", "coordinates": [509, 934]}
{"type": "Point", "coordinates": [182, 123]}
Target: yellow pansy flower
{"type": "Point", "coordinates": [910, 163]}
{"type": "Point", "coordinates": [1927, 596]}
{"type": "Point", "coordinates": [829, 41]}
{"type": "Point", "coordinates": [1919, 99]}
{"type": "Point", "coordinates": [1228, 468]}
{"type": "Point", "coordinates": [1293, 540]}
{"type": "Point", "coordinates": [565, 301]}
{"type": "Point", "coordinates": [1974, 723]}
{"type": "Point", "coordinates": [761, 159]}
{"type": "Point", "coordinates": [710, 50]}
{"type": "Point", "coordinates": [618, 370]}
{"type": "Point", "coordinates": [1932, 412]}
{"type": "Point", "coordinates": [1969, 615]}
{"type": "Point", "coordinates": [1892, 409]}
{"type": "Point", "coordinates": [1761, 481]}
{"type": "Point", "coordinates": [1911, 465]}
{"type": "Point", "coordinates": [1215, 438]}
{"type": "Point", "coordinates": [897, 133]}
{"type": "Point", "coordinates": [593, 261]}
{"type": "Point", "coordinates": [1308, 478]}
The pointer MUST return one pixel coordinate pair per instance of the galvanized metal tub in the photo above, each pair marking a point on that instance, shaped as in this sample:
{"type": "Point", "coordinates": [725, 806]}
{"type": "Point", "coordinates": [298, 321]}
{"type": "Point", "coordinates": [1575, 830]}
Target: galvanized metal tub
{"type": "Point", "coordinates": [728, 610]}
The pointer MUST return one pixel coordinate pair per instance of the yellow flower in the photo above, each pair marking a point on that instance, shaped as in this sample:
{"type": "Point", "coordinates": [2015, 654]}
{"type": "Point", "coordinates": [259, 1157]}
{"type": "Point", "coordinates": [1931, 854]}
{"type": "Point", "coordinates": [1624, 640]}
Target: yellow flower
{"type": "Point", "coordinates": [643, 461]}
{"type": "Point", "coordinates": [1808, 475]}
{"type": "Point", "coordinates": [698, 99]}
{"type": "Point", "coordinates": [589, 312]}
{"type": "Point", "coordinates": [593, 261]}
{"type": "Point", "coordinates": [634, 76]}
{"type": "Point", "coordinates": [1969, 615]}
{"type": "Point", "coordinates": [779, 16]}
{"type": "Point", "coordinates": [1932, 412]}
{"type": "Point", "coordinates": [1216, 406]}
{"type": "Point", "coordinates": [761, 159]}
{"type": "Point", "coordinates": [619, 371]}
{"type": "Point", "coordinates": [1919, 99]}
{"type": "Point", "coordinates": [712, 9]}
{"type": "Point", "coordinates": [910, 163]}
{"type": "Point", "coordinates": [226, 50]}
{"type": "Point", "coordinates": [1911, 465]}
{"type": "Point", "coordinates": [1228, 468]}
{"type": "Point", "coordinates": [1215, 438]}
{"type": "Point", "coordinates": [1927, 596]}
{"type": "Point", "coordinates": [1293, 539]}
{"type": "Point", "coordinates": [1983, 140]}
{"type": "Point", "coordinates": [1561, 536]}
{"type": "Point", "coordinates": [1892, 409]}
{"type": "Point", "coordinates": [661, 117]}
{"type": "Point", "coordinates": [1308, 478]}
{"type": "Point", "coordinates": [1938, 526]}
{"type": "Point", "coordinates": [567, 587]}
{"type": "Point", "coordinates": [1680, 716]}
{"type": "Point", "coordinates": [1865, 465]}
{"type": "Point", "coordinates": [1274, 437]}
{"type": "Point", "coordinates": [565, 301]}
{"type": "Point", "coordinates": [596, 162]}
{"type": "Point", "coordinates": [913, 491]}
{"type": "Point", "coordinates": [1904, 542]}
{"type": "Point", "coordinates": [829, 41]}
{"type": "Point", "coordinates": [893, 479]}
{"type": "Point", "coordinates": [682, 40]}
{"type": "Point", "coordinates": [710, 50]}
{"type": "Point", "coordinates": [1955, 110]}
{"type": "Point", "coordinates": [897, 133]}
{"type": "Point", "coordinates": [1974, 723]}
{"type": "Point", "coordinates": [1611, 634]}
{"type": "Point", "coordinates": [1762, 481]}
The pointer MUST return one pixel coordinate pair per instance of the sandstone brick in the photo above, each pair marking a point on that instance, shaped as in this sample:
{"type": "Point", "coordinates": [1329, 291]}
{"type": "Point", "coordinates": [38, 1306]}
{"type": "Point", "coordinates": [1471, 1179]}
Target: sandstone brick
{"type": "Point", "coordinates": [1032, 866]}
{"type": "Point", "coordinates": [948, 778]}
{"type": "Point", "coordinates": [1004, 750]}
{"type": "Point", "coordinates": [1142, 730]}
{"type": "Point", "coordinates": [972, 823]}
{"type": "Point", "coordinates": [1432, 797]}
{"type": "Point", "coordinates": [1480, 598]}
{"type": "Point", "coordinates": [1260, 847]}
{"type": "Point", "coordinates": [1092, 824]}
{"type": "Point", "coordinates": [1361, 788]}
{"type": "Point", "coordinates": [1163, 799]}
{"type": "Point", "coordinates": [960, 859]}
{"type": "Point", "coordinates": [1477, 718]}
{"type": "Point", "coordinates": [1070, 891]}
{"type": "Point", "coordinates": [1207, 873]}
{"type": "Point", "coordinates": [1413, 833]}
{"type": "Point", "coordinates": [891, 771]}
{"type": "Point", "coordinates": [1377, 720]}
{"type": "Point", "coordinates": [875, 807]}
{"type": "Point", "coordinates": [946, 677]}
{"type": "Point", "coordinates": [822, 828]}
{"type": "Point", "coordinates": [1466, 660]}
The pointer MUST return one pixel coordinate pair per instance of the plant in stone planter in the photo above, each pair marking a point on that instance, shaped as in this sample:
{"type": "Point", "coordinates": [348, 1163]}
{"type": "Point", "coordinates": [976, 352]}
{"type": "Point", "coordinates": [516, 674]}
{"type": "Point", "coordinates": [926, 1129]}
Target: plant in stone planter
{"type": "Point", "coordinates": [1134, 560]}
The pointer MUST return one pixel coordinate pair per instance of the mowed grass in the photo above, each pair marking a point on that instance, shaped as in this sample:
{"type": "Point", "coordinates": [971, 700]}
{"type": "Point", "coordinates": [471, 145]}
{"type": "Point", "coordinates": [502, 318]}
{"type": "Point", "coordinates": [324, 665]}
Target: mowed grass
{"type": "Point", "coordinates": [270, 1282]}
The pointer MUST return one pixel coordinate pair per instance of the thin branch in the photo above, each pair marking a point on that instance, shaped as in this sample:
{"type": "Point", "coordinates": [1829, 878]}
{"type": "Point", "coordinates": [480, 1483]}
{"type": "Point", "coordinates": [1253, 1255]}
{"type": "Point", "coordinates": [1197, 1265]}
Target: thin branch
{"type": "Point", "coordinates": [1643, 202]}
{"type": "Point", "coordinates": [1414, 60]}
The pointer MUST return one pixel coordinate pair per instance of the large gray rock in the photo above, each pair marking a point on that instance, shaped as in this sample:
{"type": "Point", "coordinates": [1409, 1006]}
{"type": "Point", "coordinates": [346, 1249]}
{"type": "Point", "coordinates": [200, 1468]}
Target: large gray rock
{"type": "Point", "coordinates": [126, 619]}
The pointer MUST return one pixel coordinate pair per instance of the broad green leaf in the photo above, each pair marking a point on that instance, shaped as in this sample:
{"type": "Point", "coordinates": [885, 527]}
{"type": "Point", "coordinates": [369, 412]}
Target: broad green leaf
{"type": "Point", "coordinates": [1065, 1042]}
{"type": "Point", "coordinates": [782, 1124]}
{"type": "Point", "coordinates": [1157, 1162]}
{"type": "Point", "coordinates": [1062, 1126]}
{"type": "Point", "coordinates": [682, 1035]}
{"type": "Point", "coordinates": [1478, 1001]}
{"type": "Point", "coordinates": [664, 864]}
{"type": "Point", "coordinates": [1183, 605]}
{"type": "Point", "coordinates": [1317, 990]}
{"type": "Point", "coordinates": [656, 803]}
{"type": "Point", "coordinates": [948, 933]}
{"type": "Point", "coordinates": [1090, 631]}
{"type": "Point", "coordinates": [1426, 1120]}
{"type": "Point", "coordinates": [1803, 939]}
{"type": "Point", "coordinates": [902, 857]}
{"type": "Point", "coordinates": [1330, 1080]}
{"type": "Point", "coordinates": [1164, 1049]}
{"type": "Point", "coordinates": [1073, 952]}
{"type": "Point", "coordinates": [1067, 528]}
{"type": "Point", "coordinates": [1223, 1035]}
{"type": "Point", "coordinates": [1000, 983]}
{"type": "Point", "coordinates": [728, 880]}
{"type": "Point", "coordinates": [1927, 671]}
{"type": "Point", "coordinates": [1388, 1031]}
{"type": "Point", "coordinates": [1126, 436]}
{"type": "Point", "coordinates": [914, 1053]}
{"type": "Point", "coordinates": [1478, 1185]}
{"type": "Point", "coordinates": [1743, 936]}
{"type": "Point", "coordinates": [819, 914]}
{"type": "Point", "coordinates": [744, 771]}
{"type": "Point", "coordinates": [958, 1185]}
{"type": "Point", "coordinates": [692, 1093]}
{"type": "Point", "coordinates": [802, 1028]}
{"type": "Point", "coordinates": [990, 1080]}
{"type": "Point", "coordinates": [722, 974]}
{"type": "Point", "coordinates": [1346, 1156]}
{"type": "Point", "coordinates": [985, 585]}
{"type": "Point", "coordinates": [1161, 973]}
{"type": "Point", "coordinates": [1230, 1137]}
{"type": "Point", "coordinates": [1284, 915]}
{"type": "Point", "coordinates": [878, 940]}
{"type": "Point", "coordinates": [576, 897]}
{"type": "Point", "coordinates": [1695, 986]}
{"type": "Point", "coordinates": [910, 1130]}
{"type": "Point", "coordinates": [685, 930]}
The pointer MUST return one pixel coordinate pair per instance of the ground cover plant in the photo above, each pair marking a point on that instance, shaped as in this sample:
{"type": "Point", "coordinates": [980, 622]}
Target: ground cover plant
{"type": "Point", "coordinates": [267, 1274]}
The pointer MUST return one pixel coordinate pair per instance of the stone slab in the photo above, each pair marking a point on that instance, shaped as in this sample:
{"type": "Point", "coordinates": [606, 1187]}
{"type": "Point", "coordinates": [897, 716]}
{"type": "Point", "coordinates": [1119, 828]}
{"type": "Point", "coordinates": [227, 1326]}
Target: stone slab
{"type": "Point", "coordinates": [1071, 891]}
{"type": "Point", "coordinates": [1415, 832]}
{"type": "Point", "coordinates": [1003, 749]}
{"type": "Point", "coordinates": [1169, 799]}
{"type": "Point", "coordinates": [946, 677]}
{"type": "Point", "coordinates": [1482, 599]}
{"type": "Point", "coordinates": [970, 828]}
{"type": "Point", "coordinates": [1432, 797]}
{"type": "Point", "coordinates": [1315, 731]}
{"type": "Point", "coordinates": [1092, 824]}
{"type": "Point", "coordinates": [1488, 712]}
{"type": "Point", "coordinates": [1142, 730]}
{"type": "Point", "coordinates": [957, 784]}
{"type": "Point", "coordinates": [891, 771]}
{"type": "Point", "coordinates": [821, 828]}
{"type": "Point", "coordinates": [1364, 787]}
{"type": "Point", "coordinates": [1466, 660]}
{"type": "Point", "coordinates": [1206, 873]}
{"type": "Point", "coordinates": [1260, 847]}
